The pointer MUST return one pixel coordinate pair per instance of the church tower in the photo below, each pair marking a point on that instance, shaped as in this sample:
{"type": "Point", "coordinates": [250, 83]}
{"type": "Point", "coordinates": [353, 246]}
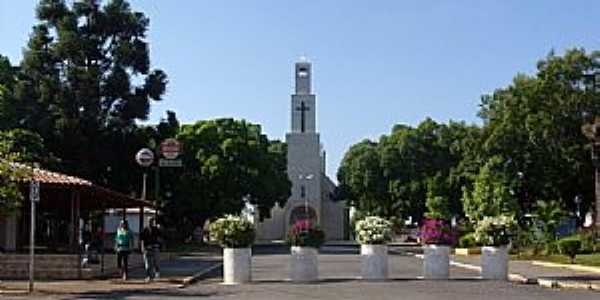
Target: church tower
{"type": "Point", "coordinates": [304, 150]}
{"type": "Point", "coordinates": [312, 191]}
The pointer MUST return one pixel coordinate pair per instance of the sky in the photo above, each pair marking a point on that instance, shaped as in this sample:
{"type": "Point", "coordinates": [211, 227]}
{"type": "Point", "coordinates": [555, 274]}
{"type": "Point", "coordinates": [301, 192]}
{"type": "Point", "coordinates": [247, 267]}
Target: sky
{"type": "Point", "coordinates": [375, 63]}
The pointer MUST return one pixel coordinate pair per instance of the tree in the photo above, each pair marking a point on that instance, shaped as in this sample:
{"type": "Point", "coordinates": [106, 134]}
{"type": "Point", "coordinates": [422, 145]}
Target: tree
{"type": "Point", "coordinates": [84, 81]}
{"type": "Point", "coordinates": [227, 163]}
{"type": "Point", "coordinates": [437, 204]}
{"type": "Point", "coordinates": [362, 182]}
{"type": "Point", "coordinates": [8, 79]}
{"type": "Point", "coordinates": [391, 177]}
{"type": "Point", "coordinates": [490, 195]}
{"type": "Point", "coordinates": [549, 214]}
{"type": "Point", "coordinates": [10, 195]}
{"type": "Point", "coordinates": [534, 125]}
{"type": "Point", "coordinates": [16, 146]}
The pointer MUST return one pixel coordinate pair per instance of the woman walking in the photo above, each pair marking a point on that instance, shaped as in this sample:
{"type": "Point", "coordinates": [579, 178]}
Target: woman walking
{"type": "Point", "coordinates": [123, 242]}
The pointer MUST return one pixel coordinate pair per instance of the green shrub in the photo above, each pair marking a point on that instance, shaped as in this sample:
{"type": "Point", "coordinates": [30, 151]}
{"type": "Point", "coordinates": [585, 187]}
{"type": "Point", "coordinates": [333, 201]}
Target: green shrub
{"type": "Point", "coordinates": [570, 247]}
{"type": "Point", "coordinates": [467, 241]}
{"type": "Point", "coordinates": [587, 242]}
{"type": "Point", "coordinates": [551, 248]}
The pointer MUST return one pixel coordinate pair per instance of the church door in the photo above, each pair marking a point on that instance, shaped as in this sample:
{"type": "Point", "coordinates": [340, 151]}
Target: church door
{"type": "Point", "coordinates": [303, 213]}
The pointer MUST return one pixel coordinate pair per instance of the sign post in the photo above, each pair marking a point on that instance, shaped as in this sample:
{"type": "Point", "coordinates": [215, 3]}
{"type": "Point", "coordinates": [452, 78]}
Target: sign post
{"type": "Point", "coordinates": [34, 197]}
{"type": "Point", "coordinates": [144, 158]}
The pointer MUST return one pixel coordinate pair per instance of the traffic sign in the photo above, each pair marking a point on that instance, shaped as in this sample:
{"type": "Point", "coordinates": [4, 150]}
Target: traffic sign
{"type": "Point", "coordinates": [170, 163]}
{"type": "Point", "coordinates": [145, 157]}
{"type": "Point", "coordinates": [34, 191]}
{"type": "Point", "coordinates": [170, 148]}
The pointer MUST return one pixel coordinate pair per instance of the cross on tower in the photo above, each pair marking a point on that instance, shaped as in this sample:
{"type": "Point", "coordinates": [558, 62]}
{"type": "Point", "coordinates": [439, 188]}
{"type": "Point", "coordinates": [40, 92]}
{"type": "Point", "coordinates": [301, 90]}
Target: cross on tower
{"type": "Point", "coordinates": [302, 109]}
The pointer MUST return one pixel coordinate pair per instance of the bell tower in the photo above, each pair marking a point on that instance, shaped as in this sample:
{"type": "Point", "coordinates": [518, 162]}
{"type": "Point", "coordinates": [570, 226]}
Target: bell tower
{"type": "Point", "coordinates": [303, 101]}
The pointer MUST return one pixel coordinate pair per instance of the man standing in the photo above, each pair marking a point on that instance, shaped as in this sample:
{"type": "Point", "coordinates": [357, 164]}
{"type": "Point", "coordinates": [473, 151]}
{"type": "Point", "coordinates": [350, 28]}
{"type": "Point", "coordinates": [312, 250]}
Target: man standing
{"type": "Point", "coordinates": [151, 248]}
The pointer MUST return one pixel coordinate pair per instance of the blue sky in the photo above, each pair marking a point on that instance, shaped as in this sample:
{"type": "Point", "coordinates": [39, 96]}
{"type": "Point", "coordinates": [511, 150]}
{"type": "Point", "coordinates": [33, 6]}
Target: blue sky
{"type": "Point", "coordinates": [376, 63]}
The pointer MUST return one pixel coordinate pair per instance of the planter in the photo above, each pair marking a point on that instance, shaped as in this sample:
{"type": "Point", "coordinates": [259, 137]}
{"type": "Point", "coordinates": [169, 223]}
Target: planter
{"type": "Point", "coordinates": [304, 264]}
{"type": "Point", "coordinates": [436, 262]}
{"type": "Point", "coordinates": [237, 263]}
{"type": "Point", "coordinates": [494, 263]}
{"type": "Point", "coordinates": [374, 262]}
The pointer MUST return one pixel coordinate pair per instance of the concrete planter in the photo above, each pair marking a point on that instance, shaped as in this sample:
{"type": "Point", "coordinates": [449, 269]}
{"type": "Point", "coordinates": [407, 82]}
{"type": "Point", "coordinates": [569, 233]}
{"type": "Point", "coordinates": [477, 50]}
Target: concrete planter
{"type": "Point", "coordinates": [436, 262]}
{"type": "Point", "coordinates": [237, 265]}
{"type": "Point", "coordinates": [494, 263]}
{"type": "Point", "coordinates": [374, 262]}
{"type": "Point", "coordinates": [304, 264]}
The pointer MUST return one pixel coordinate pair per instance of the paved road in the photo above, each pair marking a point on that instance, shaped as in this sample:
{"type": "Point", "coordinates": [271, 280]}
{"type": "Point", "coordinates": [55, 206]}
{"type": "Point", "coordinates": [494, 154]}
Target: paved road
{"type": "Point", "coordinates": [339, 281]}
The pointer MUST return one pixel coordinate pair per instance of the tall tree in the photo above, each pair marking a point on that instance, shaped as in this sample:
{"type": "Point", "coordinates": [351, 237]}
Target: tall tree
{"type": "Point", "coordinates": [85, 79]}
{"type": "Point", "coordinates": [534, 126]}
{"type": "Point", "coordinates": [227, 163]}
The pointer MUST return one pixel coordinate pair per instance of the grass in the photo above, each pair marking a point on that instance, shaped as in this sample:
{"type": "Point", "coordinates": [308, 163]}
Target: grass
{"type": "Point", "coordinates": [581, 259]}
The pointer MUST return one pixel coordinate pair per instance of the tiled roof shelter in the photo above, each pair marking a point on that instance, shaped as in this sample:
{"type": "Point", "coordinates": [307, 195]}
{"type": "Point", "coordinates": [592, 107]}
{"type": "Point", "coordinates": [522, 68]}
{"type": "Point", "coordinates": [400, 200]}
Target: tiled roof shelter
{"type": "Point", "coordinates": [93, 196]}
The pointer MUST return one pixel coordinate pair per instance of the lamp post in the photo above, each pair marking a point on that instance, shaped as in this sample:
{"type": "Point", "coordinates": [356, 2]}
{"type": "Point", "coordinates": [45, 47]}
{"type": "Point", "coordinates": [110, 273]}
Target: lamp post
{"type": "Point", "coordinates": [592, 132]}
{"type": "Point", "coordinates": [578, 199]}
{"type": "Point", "coordinates": [306, 177]}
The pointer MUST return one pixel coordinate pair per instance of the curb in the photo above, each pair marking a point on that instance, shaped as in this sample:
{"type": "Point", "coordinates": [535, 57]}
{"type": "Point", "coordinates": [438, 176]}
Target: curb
{"type": "Point", "coordinates": [568, 284]}
{"type": "Point", "coordinates": [580, 268]}
{"type": "Point", "coordinates": [512, 277]}
{"type": "Point", "coordinates": [194, 278]}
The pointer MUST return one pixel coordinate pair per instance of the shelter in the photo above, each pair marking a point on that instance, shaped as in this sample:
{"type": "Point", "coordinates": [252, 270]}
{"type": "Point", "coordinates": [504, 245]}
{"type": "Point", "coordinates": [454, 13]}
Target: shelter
{"type": "Point", "coordinates": [70, 211]}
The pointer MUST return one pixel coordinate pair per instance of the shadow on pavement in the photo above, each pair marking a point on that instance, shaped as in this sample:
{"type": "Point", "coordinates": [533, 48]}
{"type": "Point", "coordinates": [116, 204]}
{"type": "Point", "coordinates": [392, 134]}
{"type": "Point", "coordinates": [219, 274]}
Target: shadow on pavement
{"type": "Point", "coordinates": [141, 293]}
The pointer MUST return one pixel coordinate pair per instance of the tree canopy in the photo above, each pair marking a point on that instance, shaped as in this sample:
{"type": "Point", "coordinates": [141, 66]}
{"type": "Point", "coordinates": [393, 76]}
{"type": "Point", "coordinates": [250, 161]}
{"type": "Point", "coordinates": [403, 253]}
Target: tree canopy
{"type": "Point", "coordinates": [84, 81]}
{"type": "Point", "coordinates": [529, 147]}
{"type": "Point", "coordinates": [227, 163]}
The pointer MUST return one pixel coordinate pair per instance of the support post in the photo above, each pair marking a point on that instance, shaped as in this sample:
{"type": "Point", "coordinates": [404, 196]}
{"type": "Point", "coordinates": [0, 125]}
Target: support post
{"type": "Point", "coordinates": [78, 235]}
{"type": "Point", "coordinates": [156, 190]}
{"type": "Point", "coordinates": [102, 237]}
{"type": "Point", "coordinates": [73, 226]}
{"type": "Point", "coordinates": [597, 193]}
{"type": "Point", "coordinates": [141, 228]}
{"type": "Point", "coordinates": [32, 247]}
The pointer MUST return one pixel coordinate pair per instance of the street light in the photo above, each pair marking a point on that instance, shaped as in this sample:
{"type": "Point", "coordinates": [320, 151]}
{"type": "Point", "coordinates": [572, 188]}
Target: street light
{"type": "Point", "coordinates": [306, 177]}
{"type": "Point", "coordinates": [578, 199]}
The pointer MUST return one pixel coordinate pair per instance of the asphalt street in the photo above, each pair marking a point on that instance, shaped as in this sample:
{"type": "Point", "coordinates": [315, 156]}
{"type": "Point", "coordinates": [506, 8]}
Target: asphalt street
{"type": "Point", "coordinates": [339, 270]}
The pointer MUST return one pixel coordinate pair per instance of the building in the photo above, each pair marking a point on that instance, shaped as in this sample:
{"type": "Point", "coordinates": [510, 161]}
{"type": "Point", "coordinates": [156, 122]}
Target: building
{"type": "Point", "coordinates": [312, 191]}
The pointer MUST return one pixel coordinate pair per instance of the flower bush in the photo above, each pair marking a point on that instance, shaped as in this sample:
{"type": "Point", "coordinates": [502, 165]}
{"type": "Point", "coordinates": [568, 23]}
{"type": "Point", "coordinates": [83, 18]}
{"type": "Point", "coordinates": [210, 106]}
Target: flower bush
{"type": "Point", "coordinates": [232, 232]}
{"type": "Point", "coordinates": [305, 234]}
{"type": "Point", "coordinates": [373, 230]}
{"type": "Point", "coordinates": [437, 232]}
{"type": "Point", "coordinates": [495, 231]}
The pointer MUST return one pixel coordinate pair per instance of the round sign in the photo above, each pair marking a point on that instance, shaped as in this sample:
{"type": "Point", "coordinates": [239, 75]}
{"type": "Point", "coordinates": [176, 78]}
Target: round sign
{"type": "Point", "coordinates": [144, 157]}
{"type": "Point", "coordinates": [170, 148]}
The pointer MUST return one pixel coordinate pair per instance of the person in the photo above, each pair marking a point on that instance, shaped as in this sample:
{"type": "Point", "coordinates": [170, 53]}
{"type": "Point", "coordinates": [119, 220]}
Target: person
{"type": "Point", "coordinates": [123, 243]}
{"type": "Point", "coordinates": [150, 239]}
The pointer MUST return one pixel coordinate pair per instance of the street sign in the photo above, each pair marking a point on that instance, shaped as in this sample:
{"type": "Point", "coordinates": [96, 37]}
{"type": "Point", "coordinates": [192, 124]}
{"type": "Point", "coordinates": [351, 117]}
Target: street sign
{"type": "Point", "coordinates": [170, 148]}
{"type": "Point", "coordinates": [144, 157]}
{"type": "Point", "coordinates": [34, 191]}
{"type": "Point", "coordinates": [170, 163]}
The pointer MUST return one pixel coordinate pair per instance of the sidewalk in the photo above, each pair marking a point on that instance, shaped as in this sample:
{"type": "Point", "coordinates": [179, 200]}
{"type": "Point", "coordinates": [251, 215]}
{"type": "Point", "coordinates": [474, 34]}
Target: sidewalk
{"type": "Point", "coordinates": [544, 274]}
{"type": "Point", "coordinates": [175, 273]}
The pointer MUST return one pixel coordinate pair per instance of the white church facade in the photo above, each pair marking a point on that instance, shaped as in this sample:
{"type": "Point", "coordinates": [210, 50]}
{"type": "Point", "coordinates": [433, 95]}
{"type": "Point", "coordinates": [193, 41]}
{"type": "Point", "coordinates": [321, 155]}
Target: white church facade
{"type": "Point", "coordinates": [312, 191]}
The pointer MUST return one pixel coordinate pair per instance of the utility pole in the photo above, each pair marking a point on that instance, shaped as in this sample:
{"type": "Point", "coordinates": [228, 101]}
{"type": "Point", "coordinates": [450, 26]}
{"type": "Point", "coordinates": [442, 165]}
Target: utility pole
{"type": "Point", "coordinates": [34, 197]}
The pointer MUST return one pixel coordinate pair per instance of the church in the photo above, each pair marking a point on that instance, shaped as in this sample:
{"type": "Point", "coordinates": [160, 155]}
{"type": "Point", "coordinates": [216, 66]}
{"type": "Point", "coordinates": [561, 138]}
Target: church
{"type": "Point", "coordinates": [312, 195]}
